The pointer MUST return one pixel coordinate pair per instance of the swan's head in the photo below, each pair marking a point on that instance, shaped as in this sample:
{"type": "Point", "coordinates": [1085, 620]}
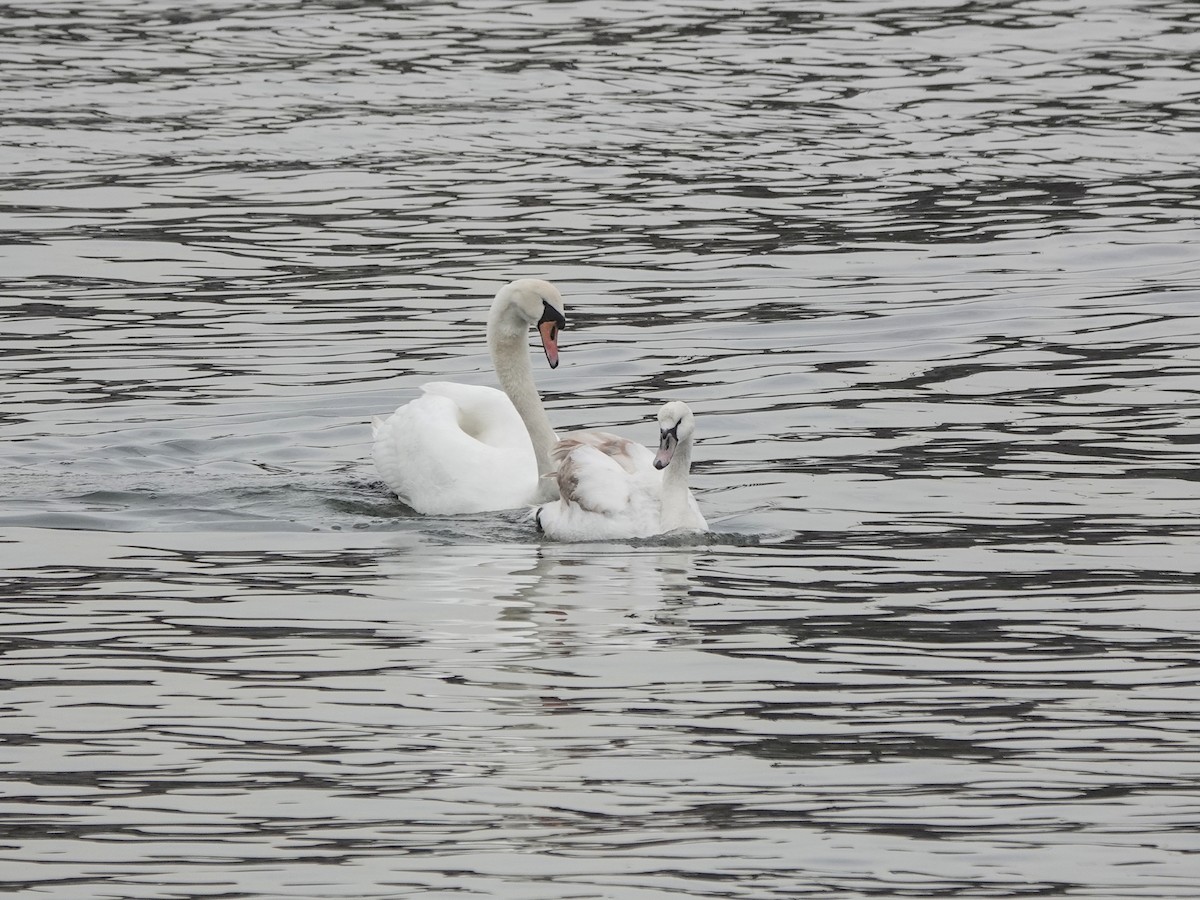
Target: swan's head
{"type": "Point", "coordinates": [535, 302]}
{"type": "Point", "coordinates": [676, 425]}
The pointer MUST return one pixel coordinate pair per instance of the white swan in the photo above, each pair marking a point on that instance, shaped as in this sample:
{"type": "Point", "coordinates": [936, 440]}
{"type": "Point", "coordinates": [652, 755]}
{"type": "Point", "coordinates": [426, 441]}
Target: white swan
{"type": "Point", "coordinates": [613, 488]}
{"type": "Point", "coordinates": [462, 448]}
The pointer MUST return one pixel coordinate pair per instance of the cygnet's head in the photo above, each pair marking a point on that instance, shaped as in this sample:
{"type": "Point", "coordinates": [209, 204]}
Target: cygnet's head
{"type": "Point", "coordinates": [536, 302]}
{"type": "Point", "coordinates": [676, 424]}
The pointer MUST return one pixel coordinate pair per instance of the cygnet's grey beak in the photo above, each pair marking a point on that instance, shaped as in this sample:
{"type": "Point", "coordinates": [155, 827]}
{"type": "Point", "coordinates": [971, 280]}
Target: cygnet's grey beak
{"type": "Point", "coordinates": [666, 447]}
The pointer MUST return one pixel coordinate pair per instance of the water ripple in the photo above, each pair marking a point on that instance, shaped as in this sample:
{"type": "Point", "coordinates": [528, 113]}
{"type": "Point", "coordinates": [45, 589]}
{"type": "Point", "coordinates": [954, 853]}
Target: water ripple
{"type": "Point", "coordinates": [927, 276]}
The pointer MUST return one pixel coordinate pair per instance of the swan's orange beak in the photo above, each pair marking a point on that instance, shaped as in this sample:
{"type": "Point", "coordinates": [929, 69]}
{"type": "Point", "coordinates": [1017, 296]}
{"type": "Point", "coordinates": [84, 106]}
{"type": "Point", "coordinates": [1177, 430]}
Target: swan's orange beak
{"type": "Point", "coordinates": [549, 331]}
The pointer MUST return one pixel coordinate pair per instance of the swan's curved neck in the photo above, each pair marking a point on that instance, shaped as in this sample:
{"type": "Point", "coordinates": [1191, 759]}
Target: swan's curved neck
{"type": "Point", "coordinates": [508, 338]}
{"type": "Point", "coordinates": [676, 474]}
{"type": "Point", "coordinates": [675, 494]}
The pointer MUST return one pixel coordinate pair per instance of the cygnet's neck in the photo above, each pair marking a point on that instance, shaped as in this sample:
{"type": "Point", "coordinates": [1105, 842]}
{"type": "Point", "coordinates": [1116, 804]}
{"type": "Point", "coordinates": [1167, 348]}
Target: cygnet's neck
{"type": "Point", "coordinates": [675, 510]}
{"type": "Point", "coordinates": [508, 343]}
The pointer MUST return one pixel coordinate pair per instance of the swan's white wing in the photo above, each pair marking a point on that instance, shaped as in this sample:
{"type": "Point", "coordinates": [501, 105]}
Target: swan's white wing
{"type": "Point", "coordinates": [456, 448]}
{"type": "Point", "coordinates": [591, 479]}
{"type": "Point", "coordinates": [630, 456]}
{"type": "Point", "coordinates": [483, 413]}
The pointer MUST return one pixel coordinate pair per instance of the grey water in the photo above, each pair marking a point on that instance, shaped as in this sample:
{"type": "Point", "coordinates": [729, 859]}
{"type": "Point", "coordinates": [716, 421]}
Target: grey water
{"type": "Point", "coordinates": [928, 274]}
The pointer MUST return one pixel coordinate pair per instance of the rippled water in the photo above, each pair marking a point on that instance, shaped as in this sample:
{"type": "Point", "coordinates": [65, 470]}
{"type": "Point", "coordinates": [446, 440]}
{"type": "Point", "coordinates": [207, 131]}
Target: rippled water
{"type": "Point", "coordinates": [928, 276]}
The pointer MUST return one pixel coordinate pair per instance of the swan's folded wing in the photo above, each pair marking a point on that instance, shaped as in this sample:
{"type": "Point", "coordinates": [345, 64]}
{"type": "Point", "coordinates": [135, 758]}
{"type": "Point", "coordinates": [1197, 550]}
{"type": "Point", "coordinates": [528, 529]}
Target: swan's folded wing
{"type": "Point", "coordinates": [630, 456]}
{"type": "Point", "coordinates": [591, 479]}
{"type": "Point", "coordinates": [482, 413]}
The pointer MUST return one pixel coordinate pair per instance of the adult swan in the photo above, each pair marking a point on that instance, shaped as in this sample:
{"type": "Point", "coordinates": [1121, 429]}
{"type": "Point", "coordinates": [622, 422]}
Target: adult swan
{"type": "Point", "coordinates": [461, 448]}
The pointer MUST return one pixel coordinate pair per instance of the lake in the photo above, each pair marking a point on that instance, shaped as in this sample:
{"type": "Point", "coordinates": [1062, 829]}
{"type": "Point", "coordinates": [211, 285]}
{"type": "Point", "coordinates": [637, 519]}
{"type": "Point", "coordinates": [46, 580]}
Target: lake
{"type": "Point", "coordinates": [929, 276]}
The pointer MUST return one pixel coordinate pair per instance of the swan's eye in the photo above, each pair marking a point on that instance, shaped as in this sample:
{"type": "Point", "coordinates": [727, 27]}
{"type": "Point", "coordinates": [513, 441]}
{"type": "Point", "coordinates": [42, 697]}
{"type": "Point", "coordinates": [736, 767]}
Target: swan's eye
{"type": "Point", "coordinates": [550, 314]}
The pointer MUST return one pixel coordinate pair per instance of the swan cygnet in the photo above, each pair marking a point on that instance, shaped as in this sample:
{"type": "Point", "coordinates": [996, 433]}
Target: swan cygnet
{"type": "Point", "coordinates": [612, 488]}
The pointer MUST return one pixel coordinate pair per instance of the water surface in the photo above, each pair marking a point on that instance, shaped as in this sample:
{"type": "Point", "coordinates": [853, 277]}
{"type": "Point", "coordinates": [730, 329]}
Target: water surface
{"type": "Point", "coordinates": [927, 275]}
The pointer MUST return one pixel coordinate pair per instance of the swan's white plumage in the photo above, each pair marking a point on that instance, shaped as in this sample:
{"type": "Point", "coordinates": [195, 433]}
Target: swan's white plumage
{"type": "Point", "coordinates": [612, 489]}
{"type": "Point", "coordinates": [461, 448]}
{"type": "Point", "coordinates": [601, 469]}
{"type": "Point", "coordinates": [483, 452]}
